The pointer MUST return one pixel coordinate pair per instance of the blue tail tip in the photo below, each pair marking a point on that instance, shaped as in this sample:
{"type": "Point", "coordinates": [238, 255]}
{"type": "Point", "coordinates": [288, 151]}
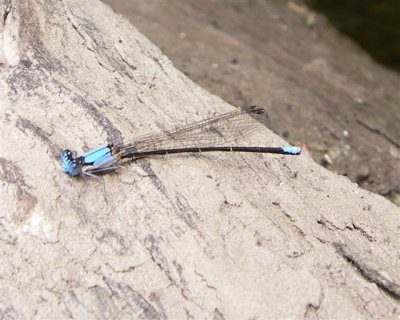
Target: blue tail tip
{"type": "Point", "coordinates": [291, 150]}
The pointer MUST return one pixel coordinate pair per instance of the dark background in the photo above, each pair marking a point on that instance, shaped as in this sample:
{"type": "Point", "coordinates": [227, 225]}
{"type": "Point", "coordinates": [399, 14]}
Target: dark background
{"type": "Point", "coordinates": [373, 24]}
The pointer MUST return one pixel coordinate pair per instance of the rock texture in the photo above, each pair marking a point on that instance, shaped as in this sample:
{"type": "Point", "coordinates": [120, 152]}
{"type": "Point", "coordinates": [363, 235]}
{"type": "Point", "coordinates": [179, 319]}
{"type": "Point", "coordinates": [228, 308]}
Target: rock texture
{"type": "Point", "coordinates": [223, 236]}
{"type": "Point", "coordinates": [321, 89]}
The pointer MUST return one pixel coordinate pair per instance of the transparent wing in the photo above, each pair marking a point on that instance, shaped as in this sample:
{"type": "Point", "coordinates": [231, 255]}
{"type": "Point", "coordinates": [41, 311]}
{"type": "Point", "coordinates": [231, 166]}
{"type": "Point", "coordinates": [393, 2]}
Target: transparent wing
{"type": "Point", "coordinates": [216, 131]}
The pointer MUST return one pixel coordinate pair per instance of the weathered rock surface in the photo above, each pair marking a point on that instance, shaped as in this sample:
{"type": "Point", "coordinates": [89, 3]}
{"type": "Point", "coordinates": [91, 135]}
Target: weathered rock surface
{"type": "Point", "coordinates": [214, 236]}
{"type": "Point", "coordinates": [320, 88]}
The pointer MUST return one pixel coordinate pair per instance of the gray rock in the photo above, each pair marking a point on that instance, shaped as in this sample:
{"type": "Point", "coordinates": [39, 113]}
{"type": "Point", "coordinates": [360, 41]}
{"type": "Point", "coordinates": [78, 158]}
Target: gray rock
{"type": "Point", "coordinates": [229, 236]}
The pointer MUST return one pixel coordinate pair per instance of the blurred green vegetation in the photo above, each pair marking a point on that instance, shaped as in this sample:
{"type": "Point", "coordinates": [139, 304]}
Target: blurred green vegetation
{"type": "Point", "coordinates": [373, 24]}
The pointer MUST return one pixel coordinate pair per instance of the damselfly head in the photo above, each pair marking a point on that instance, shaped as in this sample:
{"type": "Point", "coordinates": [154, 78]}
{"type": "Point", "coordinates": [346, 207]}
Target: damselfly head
{"type": "Point", "coordinates": [70, 163]}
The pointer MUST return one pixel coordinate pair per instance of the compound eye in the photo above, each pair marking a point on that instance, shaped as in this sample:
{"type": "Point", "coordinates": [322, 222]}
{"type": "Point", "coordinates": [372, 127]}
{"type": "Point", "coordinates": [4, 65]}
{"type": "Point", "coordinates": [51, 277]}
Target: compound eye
{"type": "Point", "coordinates": [67, 154]}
